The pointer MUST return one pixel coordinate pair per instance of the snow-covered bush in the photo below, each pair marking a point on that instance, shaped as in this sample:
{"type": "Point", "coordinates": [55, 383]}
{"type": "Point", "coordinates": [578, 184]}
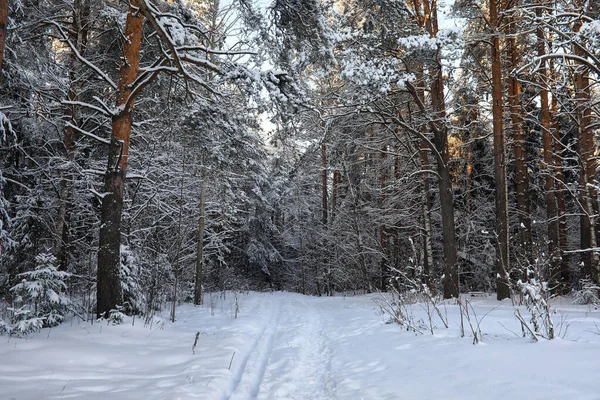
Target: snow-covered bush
{"type": "Point", "coordinates": [588, 294]}
{"type": "Point", "coordinates": [540, 324]}
{"type": "Point", "coordinates": [116, 317]}
{"type": "Point", "coordinates": [398, 307]}
{"type": "Point", "coordinates": [39, 300]}
{"type": "Point", "coordinates": [5, 327]}
{"type": "Point", "coordinates": [132, 293]}
{"type": "Point", "coordinates": [406, 291]}
{"type": "Point", "coordinates": [5, 241]}
{"type": "Point", "coordinates": [24, 322]}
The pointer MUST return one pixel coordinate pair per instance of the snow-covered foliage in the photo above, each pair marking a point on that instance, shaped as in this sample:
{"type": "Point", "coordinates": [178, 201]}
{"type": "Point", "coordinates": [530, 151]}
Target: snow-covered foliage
{"type": "Point", "coordinates": [132, 293]}
{"type": "Point", "coordinates": [588, 294]}
{"type": "Point", "coordinates": [116, 317]}
{"type": "Point", "coordinates": [535, 297]}
{"type": "Point", "coordinates": [7, 132]}
{"type": "Point", "coordinates": [5, 241]}
{"type": "Point", "coordinates": [590, 32]}
{"type": "Point", "coordinates": [39, 298]}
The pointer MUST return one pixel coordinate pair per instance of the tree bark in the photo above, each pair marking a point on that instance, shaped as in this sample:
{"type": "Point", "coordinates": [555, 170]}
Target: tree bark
{"type": "Point", "coordinates": [428, 18]}
{"type": "Point", "coordinates": [588, 195]}
{"type": "Point", "coordinates": [334, 192]}
{"type": "Point", "coordinates": [502, 258]}
{"type": "Point", "coordinates": [81, 13]}
{"type": "Point", "coordinates": [563, 238]}
{"type": "Point", "coordinates": [548, 146]}
{"type": "Point", "coordinates": [109, 293]}
{"type": "Point", "coordinates": [200, 245]}
{"type": "Point", "coordinates": [324, 183]}
{"type": "Point", "coordinates": [427, 248]}
{"type": "Point", "coordinates": [3, 30]}
{"type": "Point", "coordinates": [519, 149]}
{"type": "Point", "coordinates": [383, 231]}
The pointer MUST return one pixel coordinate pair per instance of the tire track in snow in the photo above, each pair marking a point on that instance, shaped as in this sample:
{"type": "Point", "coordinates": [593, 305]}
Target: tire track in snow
{"type": "Point", "coordinates": [248, 377]}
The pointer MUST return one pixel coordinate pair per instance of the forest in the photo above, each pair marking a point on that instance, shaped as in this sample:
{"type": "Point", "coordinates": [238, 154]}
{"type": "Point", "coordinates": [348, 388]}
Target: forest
{"type": "Point", "coordinates": [155, 151]}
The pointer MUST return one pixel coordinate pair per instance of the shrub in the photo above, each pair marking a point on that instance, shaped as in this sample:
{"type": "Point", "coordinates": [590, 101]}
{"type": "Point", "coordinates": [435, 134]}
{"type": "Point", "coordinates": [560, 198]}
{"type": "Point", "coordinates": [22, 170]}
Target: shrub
{"type": "Point", "coordinates": [40, 299]}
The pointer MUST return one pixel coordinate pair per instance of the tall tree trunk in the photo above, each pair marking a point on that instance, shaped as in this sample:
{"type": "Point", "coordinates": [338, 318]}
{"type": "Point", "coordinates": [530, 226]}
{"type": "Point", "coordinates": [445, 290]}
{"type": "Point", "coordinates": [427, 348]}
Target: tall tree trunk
{"type": "Point", "coordinates": [502, 259]}
{"type": "Point", "coordinates": [427, 247]}
{"type": "Point", "coordinates": [519, 149]}
{"type": "Point", "coordinates": [383, 231]}
{"type": "Point", "coordinates": [468, 179]}
{"type": "Point", "coordinates": [324, 183]}
{"type": "Point", "coordinates": [334, 192]}
{"type": "Point", "coordinates": [3, 30]}
{"type": "Point", "coordinates": [426, 15]}
{"type": "Point", "coordinates": [588, 195]}
{"type": "Point", "coordinates": [396, 229]}
{"type": "Point", "coordinates": [325, 212]}
{"type": "Point", "coordinates": [200, 245]}
{"type": "Point", "coordinates": [424, 148]}
{"type": "Point", "coordinates": [109, 293]}
{"type": "Point", "coordinates": [563, 238]}
{"type": "Point", "coordinates": [81, 13]}
{"type": "Point", "coordinates": [548, 146]}
{"type": "Point", "coordinates": [440, 139]}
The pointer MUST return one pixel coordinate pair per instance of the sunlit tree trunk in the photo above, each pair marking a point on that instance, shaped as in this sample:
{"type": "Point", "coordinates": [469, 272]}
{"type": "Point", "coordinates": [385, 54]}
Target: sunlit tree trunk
{"type": "Point", "coordinates": [109, 293]}
{"type": "Point", "coordinates": [519, 148]}
{"type": "Point", "coordinates": [588, 195]}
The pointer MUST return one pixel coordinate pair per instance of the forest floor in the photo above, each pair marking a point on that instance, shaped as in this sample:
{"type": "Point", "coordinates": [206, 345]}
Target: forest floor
{"type": "Point", "coordinates": [289, 346]}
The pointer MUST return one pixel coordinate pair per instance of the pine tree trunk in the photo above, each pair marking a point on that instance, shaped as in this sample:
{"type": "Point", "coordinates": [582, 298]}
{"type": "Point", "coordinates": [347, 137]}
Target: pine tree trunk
{"type": "Point", "coordinates": [468, 180]}
{"type": "Point", "coordinates": [109, 293]}
{"type": "Point", "coordinates": [440, 140]}
{"type": "Point", "coordinates": [383, 233]}
{"type": "Point", "coordinates": [334, 193]}
{"type": "Point", "coordinates": [548, 146]}
{"type": "Point", "coordinates": [3, 30]}
{"type": "Point", "coordinates": [426, 191]}
{"type": "Point", "coordinates": [81, 13]}
{"type": "Point", "coordinates": [324, 183]}
{"type": "Point", "coordinates": [588, 195]}
{"type": "Point", "coordinates": [519, 149]}
{"type": "Point", "coordinates": [451, 280]}
{"type": "Point", "coordinates": [396, 229]}
{"type": "Point", "coordinates": [502, 259]}
{"type": "Point", "coordinates": [563, 238]}
{"type": "Point", "coordinates": [200, 245]}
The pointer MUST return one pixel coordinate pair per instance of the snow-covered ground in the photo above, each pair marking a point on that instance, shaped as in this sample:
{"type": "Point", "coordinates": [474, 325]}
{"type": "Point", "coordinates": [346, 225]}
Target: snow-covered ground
{"type": "Point", "coordinates": [289, 346]}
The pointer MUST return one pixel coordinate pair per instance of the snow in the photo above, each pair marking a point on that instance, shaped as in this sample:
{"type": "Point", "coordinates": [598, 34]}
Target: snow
{"type": "Point", "coordinates": [290, 346]}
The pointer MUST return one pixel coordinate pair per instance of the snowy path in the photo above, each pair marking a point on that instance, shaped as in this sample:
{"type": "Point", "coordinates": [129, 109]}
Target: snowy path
{"type": "Point", "coordinates": [290, 358]}
{"type": "Point", "coordinates": [285, 346]}
{"type": "Point", "coordinates": [246, 381]}
{"type": "Point", "coordinates": [300, 366]}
